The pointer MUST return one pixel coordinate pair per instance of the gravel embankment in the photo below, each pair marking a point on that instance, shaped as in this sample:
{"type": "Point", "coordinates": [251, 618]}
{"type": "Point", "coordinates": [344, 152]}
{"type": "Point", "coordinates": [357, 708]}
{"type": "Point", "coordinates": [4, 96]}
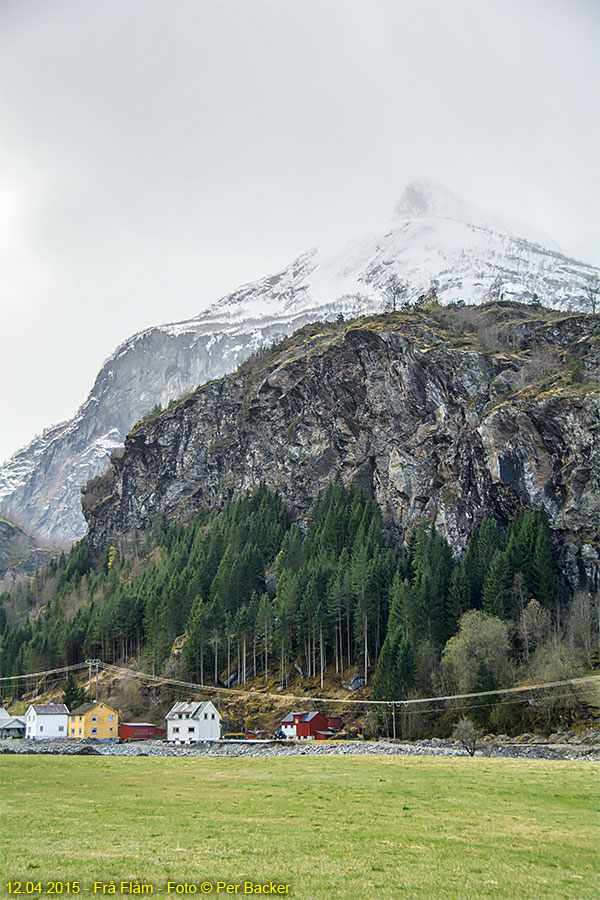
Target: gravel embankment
{"type": "Point", "coordinates": [432, 747]}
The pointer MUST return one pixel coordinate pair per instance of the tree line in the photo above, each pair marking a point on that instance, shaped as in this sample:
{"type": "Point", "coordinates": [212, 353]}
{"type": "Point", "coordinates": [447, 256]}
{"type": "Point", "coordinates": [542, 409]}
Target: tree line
{"type": "Point", "coordinates": [249, 594]}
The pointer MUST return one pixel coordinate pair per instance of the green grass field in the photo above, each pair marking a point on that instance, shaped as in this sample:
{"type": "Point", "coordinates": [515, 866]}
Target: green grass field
{"type": "Point", "coordinates": [330, 827]}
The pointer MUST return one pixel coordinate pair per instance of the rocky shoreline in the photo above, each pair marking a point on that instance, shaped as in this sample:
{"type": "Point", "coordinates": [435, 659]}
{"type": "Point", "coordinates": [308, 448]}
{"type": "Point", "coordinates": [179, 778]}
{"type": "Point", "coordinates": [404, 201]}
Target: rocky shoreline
{"type": "Point", "coordinates": [428, 747]}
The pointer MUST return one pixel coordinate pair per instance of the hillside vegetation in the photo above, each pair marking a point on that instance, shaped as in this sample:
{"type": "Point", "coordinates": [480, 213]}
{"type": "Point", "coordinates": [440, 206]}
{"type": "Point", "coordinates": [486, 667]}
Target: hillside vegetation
{"type": "Point", "coordinates": [249, 594]}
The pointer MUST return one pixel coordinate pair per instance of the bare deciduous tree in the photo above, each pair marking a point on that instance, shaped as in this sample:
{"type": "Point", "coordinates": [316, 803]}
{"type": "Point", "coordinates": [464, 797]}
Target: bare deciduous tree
{"type": "Point", "coordinates": [395, 292]}
{"type": "Point", "coordinates": [590, 295]}
{"type": "Point", "coordinates": [466, 733]}
{"type": "Point", "coordinates": [583, 625]}
{"type": "Point", "coordinates": [495, 291]}
{"type": "Point", "coordinates": [534, 624]}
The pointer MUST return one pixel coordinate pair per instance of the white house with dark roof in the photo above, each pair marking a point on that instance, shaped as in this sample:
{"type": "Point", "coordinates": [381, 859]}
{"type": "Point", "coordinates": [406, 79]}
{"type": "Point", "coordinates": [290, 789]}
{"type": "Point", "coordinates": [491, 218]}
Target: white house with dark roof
{"type": "Point", "coordinates": [288, 724]}
{"type": "Point", "coordinates": [191, 721]}
{"type": "Point", "coordinates": [44, 721]}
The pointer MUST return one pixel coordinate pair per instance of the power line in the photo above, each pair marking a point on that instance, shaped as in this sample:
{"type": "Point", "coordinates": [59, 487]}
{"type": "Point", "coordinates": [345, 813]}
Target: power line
{"type": "Point", "coordinates": [157, 681]}
{"type": "Point", "coordinates": [471, 706]}
{"type": "Point", "coordinates": [43, 674]}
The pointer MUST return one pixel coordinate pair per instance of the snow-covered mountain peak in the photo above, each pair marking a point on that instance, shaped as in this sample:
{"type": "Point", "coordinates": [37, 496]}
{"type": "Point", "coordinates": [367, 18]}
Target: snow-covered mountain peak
{"type": "Point", "coordinates": [427, 199]}
{"type": "Point", "coordinates": [435, 236]}
{"type": "Point", "coordinates": [424, 198]}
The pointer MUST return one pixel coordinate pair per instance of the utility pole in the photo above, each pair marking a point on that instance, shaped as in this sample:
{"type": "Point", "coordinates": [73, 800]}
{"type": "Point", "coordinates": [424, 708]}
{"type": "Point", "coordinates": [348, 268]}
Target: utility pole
{"type": "Point", "coordinates": [90, 663]}
{"type": "Point", "coordinates": [394, 719]}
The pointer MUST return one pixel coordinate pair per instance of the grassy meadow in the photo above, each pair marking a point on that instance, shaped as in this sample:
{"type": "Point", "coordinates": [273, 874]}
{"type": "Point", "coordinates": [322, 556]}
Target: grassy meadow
{"type": "Point", "coordinates": [330, 827]}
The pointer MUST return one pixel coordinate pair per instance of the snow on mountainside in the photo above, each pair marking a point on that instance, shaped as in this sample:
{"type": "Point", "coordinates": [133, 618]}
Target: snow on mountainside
{"type": "Point", "coordinates": [433, 235]}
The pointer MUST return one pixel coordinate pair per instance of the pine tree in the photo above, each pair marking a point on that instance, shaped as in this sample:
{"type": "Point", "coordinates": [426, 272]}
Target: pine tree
{"type": "Point", "coordinates": [73, 694]}
{"type": "Point", "coordinates": [384, 686]}
{"type": "Point", "coordinates": [360, 577]}
{"type": "Point", "coordinates": [497, 586]}
{"type": "Point", "coordinates": [543, 578]}
{"type": "Point", "coordinates": [458, 598]}
{"type": "Point", "coordinates": [265, 625]}
{"type": "Point", "coordinates": [406, 667]}
{"type": "Point", "coordinates": [197, 631]}
{"type": "Point", "coordinates": [399, 603]}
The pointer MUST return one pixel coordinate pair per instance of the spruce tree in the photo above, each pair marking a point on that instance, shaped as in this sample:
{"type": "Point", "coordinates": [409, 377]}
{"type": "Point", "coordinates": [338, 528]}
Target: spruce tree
{"type": "Point", "coordinates": [543, 578]}
{"type": "Point", "coordinates": [73, 694]}
{"type": "Point", "coordinates": [497, 586]}
{"type": "Point", "coordinates": [406, 667]}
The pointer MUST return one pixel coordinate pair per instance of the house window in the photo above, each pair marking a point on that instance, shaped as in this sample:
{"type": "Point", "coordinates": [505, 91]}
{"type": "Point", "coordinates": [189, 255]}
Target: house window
{"type": "Point", "coordinates": [102, 706]}
{"type": "Point", "coordinates": [80, 731]}
{"type": "Point", "coordinates": [206, 715]}
{"type": "Point", "coordinates": [111, 719]}
{"type": "Point", "coordinates": [41, 727]}
{"type": "Point", "coordinates": [176, 730]}
{"type": "Point", "coordinates": [72, 731]}
{"type": "Point", "coordinates": [212, 716]}
{"type": "Point", "coordinates": [191, 729]}
{"type": "Point", "coordinates": [94, 718]}
{"type": "Point", "coordinates": [80, 718]}
{"type": "Point", "coordinates": [111, 729]}
{"type": "Point", "coordinates": [94, 731]}
{"type": "Point", "coordinates": [61, 727]}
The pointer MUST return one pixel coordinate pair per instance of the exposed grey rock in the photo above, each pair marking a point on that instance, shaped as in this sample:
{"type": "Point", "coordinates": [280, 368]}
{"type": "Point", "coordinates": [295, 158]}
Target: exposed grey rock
{"type": "Point", "coordinates": [396, 407]}
{"type": "Point", "coordinates": [20, 553]}
{"type": "Point", "coordinates": [433, 236]}
{"type": "Point", "coordinates": [430, 747]}
{"type": "Point", "coordinates": [357, 682]}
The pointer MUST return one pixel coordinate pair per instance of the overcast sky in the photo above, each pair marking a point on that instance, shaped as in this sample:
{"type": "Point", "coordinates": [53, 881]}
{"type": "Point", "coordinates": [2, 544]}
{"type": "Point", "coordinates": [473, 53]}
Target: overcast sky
{"type": "Point", "coordinates": [155, 154]}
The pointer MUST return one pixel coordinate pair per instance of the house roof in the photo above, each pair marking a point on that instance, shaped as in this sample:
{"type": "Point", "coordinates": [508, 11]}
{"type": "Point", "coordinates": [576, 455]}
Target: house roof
{"type": "Point", "coordinates": [140, 724]}
{"type": "Point", "coordinates": [3, 713]}
{"type": "Point", "coordinates": [304, 717]}
{"type": "Point", "coordinates": [192, 708]}
{"type": "Point", "coordinates": [81, 710]}
{"type": "Point", "coordinates": [13, 722]}
{"type": "Point", "coordinates": [87, 707]}
{"type": "Point", "coordinates": [290, 718]}
{"type": "Point", "coordinates": [308, 717]}
{"type": "Point", "coordinates": [50, 709]}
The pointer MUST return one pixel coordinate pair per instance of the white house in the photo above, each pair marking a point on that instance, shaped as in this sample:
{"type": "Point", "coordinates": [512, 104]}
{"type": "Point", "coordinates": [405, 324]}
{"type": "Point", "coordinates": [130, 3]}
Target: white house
{"type": "Point", "coordinates": [45, 721]}
{"type": "Point", "coordinates": [288, 725]}
{"type": "Point", "coordinates": [191, 721]}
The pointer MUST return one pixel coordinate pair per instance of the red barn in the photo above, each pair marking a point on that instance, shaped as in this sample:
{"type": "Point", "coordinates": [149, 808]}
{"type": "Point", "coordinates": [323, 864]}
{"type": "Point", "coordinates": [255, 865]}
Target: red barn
{"type": "Point", "coordinates": [309, 726]}
{"type": "Point", "coordinates": [334, 722]}
{"type": "Point", "coordinates": [141, 731]}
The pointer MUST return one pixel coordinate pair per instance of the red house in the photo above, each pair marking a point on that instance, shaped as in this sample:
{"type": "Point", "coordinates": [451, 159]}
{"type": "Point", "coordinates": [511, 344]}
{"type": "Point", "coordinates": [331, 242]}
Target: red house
{"type": "Point", "coordinates": [312, 726]}
{"type": "Point", "coordinates": [141, 731]}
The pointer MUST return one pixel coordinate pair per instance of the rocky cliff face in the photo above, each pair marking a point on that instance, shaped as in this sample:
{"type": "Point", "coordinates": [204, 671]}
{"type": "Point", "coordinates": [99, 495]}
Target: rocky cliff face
{"type": "Point", "coordinates": [20, 553]}
{"type": "Point", "coordinates": [435, 422]}
{"type": "Point", "coordinates": [41, 484]}
{"type": "Point", "coordinates": [432, 235]}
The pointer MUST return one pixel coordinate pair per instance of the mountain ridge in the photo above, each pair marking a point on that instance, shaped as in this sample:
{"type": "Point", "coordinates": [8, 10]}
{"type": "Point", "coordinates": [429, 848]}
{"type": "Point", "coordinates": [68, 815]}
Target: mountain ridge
{"type": "Point", "coordinates": [435, 420]}
{"type": "Point", "coordinates": [41, 482]}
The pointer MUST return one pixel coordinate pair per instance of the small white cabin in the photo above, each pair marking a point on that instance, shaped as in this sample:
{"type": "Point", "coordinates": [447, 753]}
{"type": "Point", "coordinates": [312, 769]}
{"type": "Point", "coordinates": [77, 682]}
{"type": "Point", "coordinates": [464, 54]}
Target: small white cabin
{"type": "Point", "coordinates": [192, 721]}
{"type": "Point", "coordinates": [44, 721]}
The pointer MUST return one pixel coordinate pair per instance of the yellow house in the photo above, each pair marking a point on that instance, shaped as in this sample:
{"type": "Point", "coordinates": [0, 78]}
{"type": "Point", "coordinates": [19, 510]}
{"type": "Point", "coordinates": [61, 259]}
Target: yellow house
{"type": "Point", "coordinates": [96, 720]}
